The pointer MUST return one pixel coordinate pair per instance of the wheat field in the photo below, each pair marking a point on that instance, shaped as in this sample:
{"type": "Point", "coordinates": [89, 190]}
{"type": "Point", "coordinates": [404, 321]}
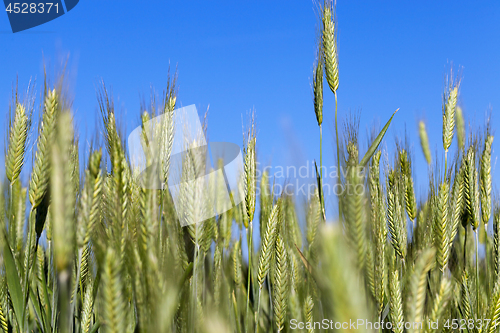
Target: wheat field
{"type": "Point", "coordinates": [87, 248]}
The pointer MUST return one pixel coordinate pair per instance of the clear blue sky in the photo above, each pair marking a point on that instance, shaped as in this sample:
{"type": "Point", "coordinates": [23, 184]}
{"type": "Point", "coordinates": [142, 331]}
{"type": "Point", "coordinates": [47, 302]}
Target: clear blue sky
{"type": "Point", "coordinates": [241, 55]}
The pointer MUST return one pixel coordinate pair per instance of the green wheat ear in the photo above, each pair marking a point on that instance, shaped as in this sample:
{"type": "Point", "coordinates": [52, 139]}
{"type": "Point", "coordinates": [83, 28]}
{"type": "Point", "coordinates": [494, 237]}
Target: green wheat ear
{"type": "Point", "coordinates": [465, 305]}
{"type": "Point", "coordinates": [471, 188]}
{"type": "Point", "coordinates": [280, 299]}
{"type": "Point", "coordinates": [236, 257]}
{"type": "Point", "coordinates": [266, 202]}
{"type": "Point", "coordinates": [318, 87]}
{"type": "Point", "coordinates": [379, 229]}
{"type": "Point", "coordinates": [460, 128]}
{"type": "Point", "coordinates": [396, 303]}
{"type": "Point", "coordinates": [308, 313]}
{"type": "Point", "coordinates": [354, 210]}
{"type": "Point", "coordinates": [39, 181]}
{"type": "Point", "coordinates": [330, 47]}
{"type": "Point", "coordinates": [409, 193]}
{"type": "Point", "coordinates": [16, 150]}
{"type": "Point", "coordinates": [250, 169]}
{"type": "Point", "coordinates": [3, 319]}
{"type": "Point", "coordinates": [450, 97]}
{"type": "Point", "coordinates": [449, 108]}
{"type": "Point", "coordinates": [397, 227]}
{"type": "Point", "coordinates": [458, 199]}
{"type": "Point", "coordinates": [418, 285]}
{"type": "Point", "coordinates": [87, 308]}
{"type": "Point", "coordinates": [112, 293]}
{"type": "Point", "coordinates": [90, 200]}
{"type": "Point", "coordinates": [441, 301]}
{"type": "Point", "coordinates": [442, 227]}
{"type": "Point", "coordinates": [268, 245]}
{"type": "Point", "coordinates": [496, 243]}
{"type": "Point", "coordinates": [424, 142]}
{"type": "Point", "coordinates": [312, 221]}
{"type": "Point", "coordinates": [486, 179]}
{"type": "Point", "coordinates": [63, 200]}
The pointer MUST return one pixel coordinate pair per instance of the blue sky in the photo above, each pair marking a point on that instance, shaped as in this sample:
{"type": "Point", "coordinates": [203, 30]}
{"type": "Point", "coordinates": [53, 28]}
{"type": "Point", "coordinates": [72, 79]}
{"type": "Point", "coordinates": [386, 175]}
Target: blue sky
{"type": "Point", "coordinates": [244, 55]}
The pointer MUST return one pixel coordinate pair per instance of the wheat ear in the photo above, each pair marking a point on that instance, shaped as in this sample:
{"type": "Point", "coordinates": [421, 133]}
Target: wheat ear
{"type": "Point", "coordinates": [486, 180]}
{"type": "Point", "coordinates": [465, 297]}
{"type": "Point", "coordinates": [449, 108]}
{"type": "Point", "coordinates": [442, 230]}
{"type": "Point", "coordinates": [308, 313]}
{"type": "Point", "coordinates": [441, 301]}
{"type": "Point", "coordinates": [424, 142]}
{"type": "Point", "coordinates": [354, 212]}
{"type": "Point", "coordinates": [16, 150]}
{"type": "Point", "coordinates": [496, 244]}
{"type": "Point", "coordinates": [280, 294]}
{"type": "Point", "coordinates": [471, 188]}
{"type": "Point", "coordinates": [409, 193]}
{"type": "Point", "coordinates": [397, 228]}
{"type": "Point", "coordinates": [379, 236]}
{"type": "Point", "coordinates": [267, 246]}
{"type": "Point", "coordinates": [396, 303]}
{"type": "Point", "coordinates": [39, 181]}
{"type": "Point", "coordinates": [418, 284]}
{"type": "Point", "coordinates": [87, 308]}
{"type": "Point", "coordinates": [330, 46]}
{"type": "Point", "coordinates": [112, 290]}
{"type": "Point", "coordinates": [318, 87]}
{"type": "Point", "coordinates": [460, 127]}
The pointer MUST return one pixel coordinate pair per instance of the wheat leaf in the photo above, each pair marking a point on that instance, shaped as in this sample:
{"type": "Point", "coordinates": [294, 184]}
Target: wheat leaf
{"type": "Point", "coordinates": [14, 284]}
{"type": "Point", "coordinates": [376, 142]}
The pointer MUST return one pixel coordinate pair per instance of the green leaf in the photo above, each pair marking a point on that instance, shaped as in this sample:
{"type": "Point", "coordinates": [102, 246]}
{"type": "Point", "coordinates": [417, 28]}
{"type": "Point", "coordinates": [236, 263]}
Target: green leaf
{"type": "Point", "coordinates": [187, 275]}
{"type": "Point", "coordinates": [39, 311]}
{"type": "Point", "coordinates": [376, 143]}
{"type": "Point", "coordinates": [320, 191]}
{"type": "Point", "coordinates": [95, 327]}
{"type": "Point", "coordinates": [14, 284]}
{"type": "Point", "coordinates": [306, 263]}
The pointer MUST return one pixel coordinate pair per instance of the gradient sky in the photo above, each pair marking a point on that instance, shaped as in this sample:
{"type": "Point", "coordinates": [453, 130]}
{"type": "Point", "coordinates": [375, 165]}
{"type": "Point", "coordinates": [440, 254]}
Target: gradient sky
{"type": "Point", "coordinates": [236, 56]}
